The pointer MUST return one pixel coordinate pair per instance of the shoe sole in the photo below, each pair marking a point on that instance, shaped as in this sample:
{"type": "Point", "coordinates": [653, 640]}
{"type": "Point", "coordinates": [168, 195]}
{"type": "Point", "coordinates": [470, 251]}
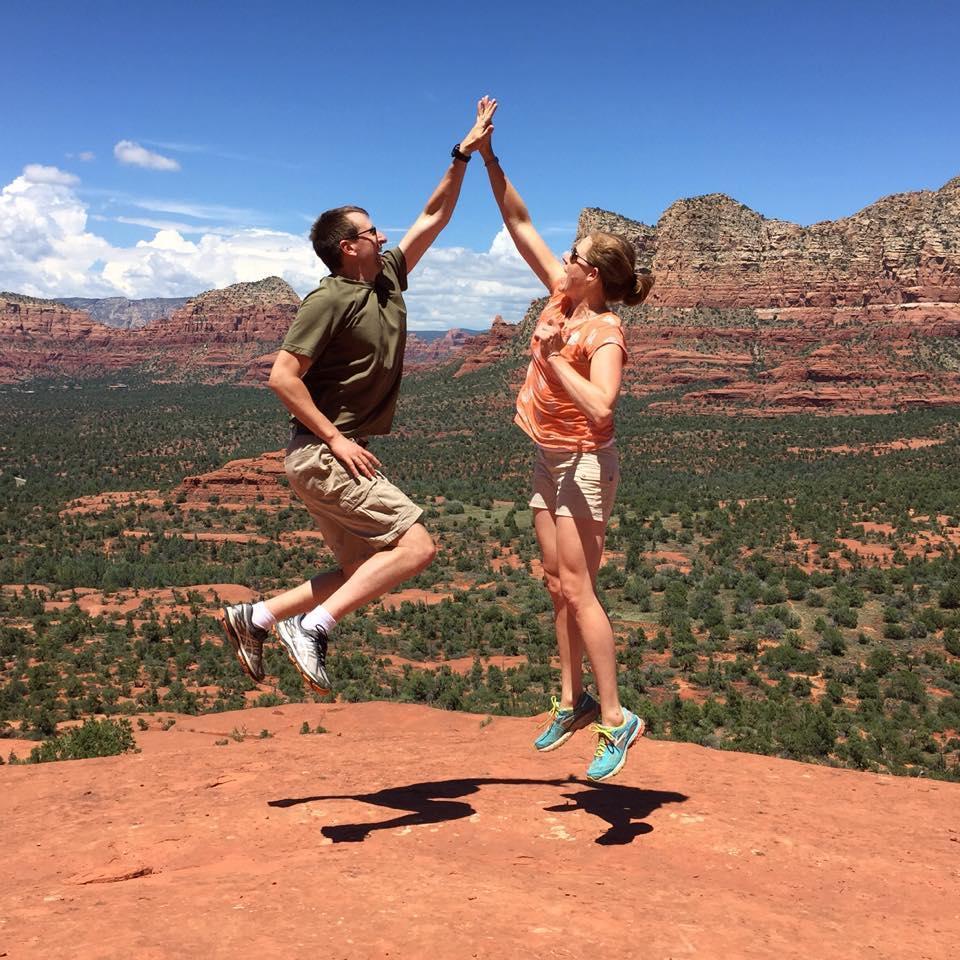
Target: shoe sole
{"type": "Point", "coordinates": [578, 725]}
{"type": "Point", "coordinates": [641, 730]}
{"type": "Point", "coordinates": [307, 679]}
{"type": "Point", "coordinates": [237, 647]}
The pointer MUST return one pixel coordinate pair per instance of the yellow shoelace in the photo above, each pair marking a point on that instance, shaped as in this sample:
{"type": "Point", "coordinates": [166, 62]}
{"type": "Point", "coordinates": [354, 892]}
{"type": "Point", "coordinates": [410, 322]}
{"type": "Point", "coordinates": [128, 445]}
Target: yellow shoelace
{"type": "Point", "coordinates": [553, 714]}
{"type": "Point", "coordinates": [604, 737]}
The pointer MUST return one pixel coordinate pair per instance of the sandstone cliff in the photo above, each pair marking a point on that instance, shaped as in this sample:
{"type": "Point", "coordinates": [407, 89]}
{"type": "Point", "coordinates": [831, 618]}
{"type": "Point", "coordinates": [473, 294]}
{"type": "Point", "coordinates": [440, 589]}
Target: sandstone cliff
{"type": "Point", "coordinates": [748, 314]}
{"type": "Point", "coordinates": [712, 251]}
{"type": "Point", "coordinates": [221, 331]}
{"type": "Point", "coordinates": [768, 317]}
{"type": "Point", "coordinates": [488, 348]}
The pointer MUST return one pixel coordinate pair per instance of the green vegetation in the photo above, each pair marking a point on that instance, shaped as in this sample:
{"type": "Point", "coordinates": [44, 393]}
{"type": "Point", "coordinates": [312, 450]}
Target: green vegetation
{"type": "Point", "coordinates": [774, 586]}
{"type": "Point", "coordinates": [93, 738]}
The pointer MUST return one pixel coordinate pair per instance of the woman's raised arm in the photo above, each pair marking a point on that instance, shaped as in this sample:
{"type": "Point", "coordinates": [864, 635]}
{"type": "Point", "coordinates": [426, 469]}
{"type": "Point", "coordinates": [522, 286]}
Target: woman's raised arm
{"type": "Point", "coordinates": [516, 218]}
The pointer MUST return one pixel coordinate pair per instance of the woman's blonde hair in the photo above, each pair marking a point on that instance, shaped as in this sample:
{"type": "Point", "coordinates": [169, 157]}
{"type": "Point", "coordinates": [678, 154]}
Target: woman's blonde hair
{"type": "Point", "coordinates": [615, 259]}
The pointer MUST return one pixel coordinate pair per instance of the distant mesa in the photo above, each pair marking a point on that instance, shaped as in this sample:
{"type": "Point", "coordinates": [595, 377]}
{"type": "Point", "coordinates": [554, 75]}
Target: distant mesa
{"type": "Point", "coordinates": [220, 333]}
{"type": "Point", "coordinates": [748, 315]}
{"type": "Point", "coordinates": [123, 313]}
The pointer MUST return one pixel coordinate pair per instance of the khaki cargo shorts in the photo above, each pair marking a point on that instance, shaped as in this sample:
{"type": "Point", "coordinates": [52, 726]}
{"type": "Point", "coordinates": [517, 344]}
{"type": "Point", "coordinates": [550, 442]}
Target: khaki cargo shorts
{"type": "Point", "coordinates": [358, 517]}
{"type": "Point", "coordinates": [576, 484]}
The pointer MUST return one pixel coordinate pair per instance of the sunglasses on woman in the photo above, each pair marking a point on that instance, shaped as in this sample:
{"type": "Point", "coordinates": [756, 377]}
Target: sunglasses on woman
{"type": "Point", "coordinates": [573, 257]}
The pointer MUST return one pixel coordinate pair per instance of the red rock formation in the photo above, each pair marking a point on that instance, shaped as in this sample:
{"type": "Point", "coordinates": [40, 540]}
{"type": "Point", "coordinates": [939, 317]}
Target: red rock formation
{"type": "Point", "coordinates": [40, 337]}
{"type": "Point", "coordinates": [711, 251]}
{"type": "Point", "coordinates": [427, 353]}
{"type": "Point", "coordinates": [221, 332]}
{"type": "Point", "coordinates": [488, 348]}
{"type": "Point", "coordinates": [864, 312]}
{"type": "Point", "coordinates": [240, 314]}
{"type": "Point", "coordinates": [874, 295]}
{"type": "Point", "coordinates": [240, 483]}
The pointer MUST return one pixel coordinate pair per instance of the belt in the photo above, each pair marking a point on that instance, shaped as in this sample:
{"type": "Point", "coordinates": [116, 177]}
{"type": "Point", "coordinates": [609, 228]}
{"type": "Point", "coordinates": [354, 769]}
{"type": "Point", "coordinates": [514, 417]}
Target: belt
{"type": "Point", "coordinates": [299, 430]}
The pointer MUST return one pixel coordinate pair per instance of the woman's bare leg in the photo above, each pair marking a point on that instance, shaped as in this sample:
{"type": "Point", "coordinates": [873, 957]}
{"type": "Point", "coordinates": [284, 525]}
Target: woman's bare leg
{"type": "Point", "coordinates": [579, 551]}
{"type": "Point", "coordinates": [569, 642]}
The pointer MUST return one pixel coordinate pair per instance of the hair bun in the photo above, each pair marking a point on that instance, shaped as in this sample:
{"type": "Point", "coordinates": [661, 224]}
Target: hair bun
{"type": "Point", "coordinates": [642, 285]}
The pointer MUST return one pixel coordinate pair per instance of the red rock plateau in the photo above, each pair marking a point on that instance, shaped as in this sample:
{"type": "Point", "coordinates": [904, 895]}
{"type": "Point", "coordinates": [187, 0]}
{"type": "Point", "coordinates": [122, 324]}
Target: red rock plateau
{"type": "Point", "coordinates": [406, 832]}
{"type": "Point", "coordinates": [226, 332]}
{"type": "Point", "coordinates": [748, 315]}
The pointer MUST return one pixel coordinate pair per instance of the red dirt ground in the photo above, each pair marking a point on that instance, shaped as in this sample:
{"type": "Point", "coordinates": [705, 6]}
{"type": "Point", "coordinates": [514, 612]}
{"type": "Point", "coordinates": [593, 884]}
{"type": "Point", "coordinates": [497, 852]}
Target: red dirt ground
{"type": "Point", "coordinates": [93, 602]}
{"type": "Point", "coordinates": [393, 600]}
{"type": "Point", "coordinates": [405, 832]}
{"type": "Point", "coordinates": [878, 449]}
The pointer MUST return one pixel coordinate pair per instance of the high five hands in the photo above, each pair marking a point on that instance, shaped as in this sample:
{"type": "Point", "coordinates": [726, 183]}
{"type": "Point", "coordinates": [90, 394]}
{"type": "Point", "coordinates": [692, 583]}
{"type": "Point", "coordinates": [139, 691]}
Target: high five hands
{"type": "Point", "coordinates": [482, 128]}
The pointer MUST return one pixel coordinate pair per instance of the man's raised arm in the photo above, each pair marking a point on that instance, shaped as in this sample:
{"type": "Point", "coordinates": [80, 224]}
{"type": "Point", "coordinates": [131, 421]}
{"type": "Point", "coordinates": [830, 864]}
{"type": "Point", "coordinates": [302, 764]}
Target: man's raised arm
{"type": "Point", "coordinates": [439, 209]}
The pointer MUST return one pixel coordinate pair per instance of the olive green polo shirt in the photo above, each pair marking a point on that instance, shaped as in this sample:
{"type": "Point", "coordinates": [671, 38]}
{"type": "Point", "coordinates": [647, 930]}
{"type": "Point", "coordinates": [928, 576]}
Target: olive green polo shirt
{"type": "Point", "coordinates": [356, 333]}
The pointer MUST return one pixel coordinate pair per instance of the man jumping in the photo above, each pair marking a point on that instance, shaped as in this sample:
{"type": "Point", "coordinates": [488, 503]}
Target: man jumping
{"type": "Point", "coordinates": [338, 373]}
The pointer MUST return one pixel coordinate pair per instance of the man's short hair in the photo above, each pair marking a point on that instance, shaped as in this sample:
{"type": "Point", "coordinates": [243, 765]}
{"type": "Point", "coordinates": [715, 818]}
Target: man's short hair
{"type": "Point", "coordinates": [329, 229]}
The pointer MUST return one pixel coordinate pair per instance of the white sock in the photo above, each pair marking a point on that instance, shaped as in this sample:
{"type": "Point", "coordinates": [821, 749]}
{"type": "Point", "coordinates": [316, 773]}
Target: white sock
{"type": "Point", "coordinates": [262, 617]}
{"type": "Point", "coordinates": [319, 617]}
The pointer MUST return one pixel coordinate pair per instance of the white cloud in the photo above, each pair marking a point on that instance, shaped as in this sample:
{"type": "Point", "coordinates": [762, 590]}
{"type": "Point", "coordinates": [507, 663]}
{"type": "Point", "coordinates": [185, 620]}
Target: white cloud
{"type": "Point", "coordinates": [126, 151]}
{"type": "Point", "coordinates": [47, 250]}
{"type": "Point", "coordinates": [455, 287]}
{"type": "Point", "coordinates": [44, 243]}
{"type": "Point", "coordinates": [179, 226]}
{"type": "Point", "coordinates": [85, 155]}
{"type": "Point", "coordinates": [202, 211]}
{"type": "Point", "coordinates": [37, 173]}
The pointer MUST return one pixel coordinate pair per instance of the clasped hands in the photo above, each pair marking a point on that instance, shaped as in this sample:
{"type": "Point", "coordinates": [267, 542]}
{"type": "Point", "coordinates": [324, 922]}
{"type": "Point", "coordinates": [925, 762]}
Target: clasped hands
{"type": "Point", "coordinates": [482, 129]}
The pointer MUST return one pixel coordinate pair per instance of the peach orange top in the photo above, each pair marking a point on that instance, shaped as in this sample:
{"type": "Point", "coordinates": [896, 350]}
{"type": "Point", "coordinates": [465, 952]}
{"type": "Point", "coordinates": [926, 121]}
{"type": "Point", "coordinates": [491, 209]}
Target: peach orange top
{"type": "Point", "coordinates": [545, 411]}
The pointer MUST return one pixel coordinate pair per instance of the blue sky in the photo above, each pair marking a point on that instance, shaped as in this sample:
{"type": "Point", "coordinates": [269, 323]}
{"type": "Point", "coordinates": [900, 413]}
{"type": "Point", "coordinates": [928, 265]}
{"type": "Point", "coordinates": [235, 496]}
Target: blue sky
{"type": "Point", "coordinates": [158, 150]}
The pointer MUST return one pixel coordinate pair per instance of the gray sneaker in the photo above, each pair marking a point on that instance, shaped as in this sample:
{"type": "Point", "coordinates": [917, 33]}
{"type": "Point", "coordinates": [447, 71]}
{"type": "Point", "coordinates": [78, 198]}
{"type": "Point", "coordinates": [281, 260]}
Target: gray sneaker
{"type": "Point", "coordinates": [247, 639]}
{"type": "Point", "coordinates": [307, 650]}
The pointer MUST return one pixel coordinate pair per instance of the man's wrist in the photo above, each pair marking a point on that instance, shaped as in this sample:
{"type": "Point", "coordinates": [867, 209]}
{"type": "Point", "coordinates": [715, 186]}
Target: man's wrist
{"type": "Point", "coordinates": [458, 154]}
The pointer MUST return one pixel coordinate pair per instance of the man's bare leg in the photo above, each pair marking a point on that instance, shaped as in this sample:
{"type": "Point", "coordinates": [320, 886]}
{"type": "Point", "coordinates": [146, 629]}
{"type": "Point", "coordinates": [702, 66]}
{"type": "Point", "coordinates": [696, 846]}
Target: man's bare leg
{"type": "Point", "coordinates": [380, 573]}
{"type": "Point", "coordinates": [361, 580]}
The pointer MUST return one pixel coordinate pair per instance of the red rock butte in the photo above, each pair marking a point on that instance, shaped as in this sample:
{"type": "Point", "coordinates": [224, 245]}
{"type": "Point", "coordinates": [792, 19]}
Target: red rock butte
{"type": "Point", "coordinates": [407, 832]}
{"type": "Point", "coordinates": [748, 315]}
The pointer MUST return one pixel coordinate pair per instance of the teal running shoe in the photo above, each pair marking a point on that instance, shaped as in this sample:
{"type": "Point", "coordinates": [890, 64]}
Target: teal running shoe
{"type": "Point", "coordinates": [612, 746]}
{"type": "Point", "coordinates": [564, 723]}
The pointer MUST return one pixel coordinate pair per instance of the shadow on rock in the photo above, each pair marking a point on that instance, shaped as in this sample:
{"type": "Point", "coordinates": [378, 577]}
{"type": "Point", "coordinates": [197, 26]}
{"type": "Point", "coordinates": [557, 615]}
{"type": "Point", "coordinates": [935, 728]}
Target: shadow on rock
{"type": "Point", "coordinates": [623, 808]}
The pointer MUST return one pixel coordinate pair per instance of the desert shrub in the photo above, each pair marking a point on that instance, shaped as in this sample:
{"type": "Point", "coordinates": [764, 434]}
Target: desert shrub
{"type": "Point", "coordinates": [94, 738]}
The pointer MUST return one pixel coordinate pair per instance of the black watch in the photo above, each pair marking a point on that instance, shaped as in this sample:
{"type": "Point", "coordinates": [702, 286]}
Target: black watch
{"type": "Point", "coordinates": [458, 154]}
